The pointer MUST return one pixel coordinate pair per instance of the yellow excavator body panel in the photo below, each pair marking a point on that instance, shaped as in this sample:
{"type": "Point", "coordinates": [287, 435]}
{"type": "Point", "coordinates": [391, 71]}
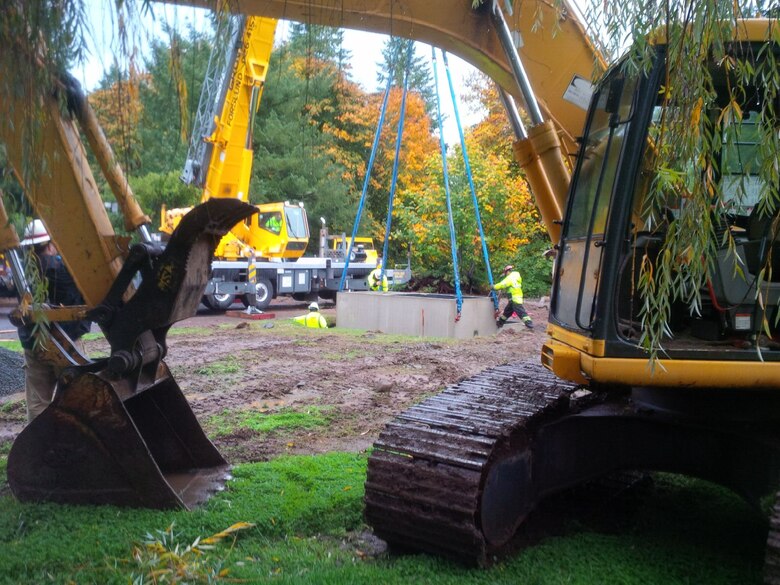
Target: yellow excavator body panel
{"type": "Point", "coordinates": [580, 360]}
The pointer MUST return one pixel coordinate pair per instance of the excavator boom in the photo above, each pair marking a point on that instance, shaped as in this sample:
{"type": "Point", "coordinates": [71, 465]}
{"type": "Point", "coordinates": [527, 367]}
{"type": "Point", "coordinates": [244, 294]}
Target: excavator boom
{"type": "Point", "coordinates": [555, 49]}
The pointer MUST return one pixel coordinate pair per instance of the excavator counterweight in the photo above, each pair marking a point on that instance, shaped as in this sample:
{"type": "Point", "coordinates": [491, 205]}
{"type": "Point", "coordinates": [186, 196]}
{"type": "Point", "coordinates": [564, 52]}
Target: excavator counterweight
{"type": "Point", "coordinates": [119, 430]}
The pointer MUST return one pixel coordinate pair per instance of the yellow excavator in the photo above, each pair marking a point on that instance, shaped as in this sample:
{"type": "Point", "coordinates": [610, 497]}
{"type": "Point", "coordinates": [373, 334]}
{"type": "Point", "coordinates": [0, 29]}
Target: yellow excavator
{"type": "Point", "coordinates": [458, 473]}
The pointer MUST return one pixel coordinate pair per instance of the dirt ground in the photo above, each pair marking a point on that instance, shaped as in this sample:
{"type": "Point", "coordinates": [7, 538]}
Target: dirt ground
{"type": "Point", "coordinates": [227, 367]}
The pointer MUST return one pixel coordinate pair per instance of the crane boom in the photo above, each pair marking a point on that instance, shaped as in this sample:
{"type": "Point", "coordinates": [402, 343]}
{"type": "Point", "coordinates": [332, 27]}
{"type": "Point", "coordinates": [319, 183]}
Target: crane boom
{"type": "Point", "coordinates": [220, 155]}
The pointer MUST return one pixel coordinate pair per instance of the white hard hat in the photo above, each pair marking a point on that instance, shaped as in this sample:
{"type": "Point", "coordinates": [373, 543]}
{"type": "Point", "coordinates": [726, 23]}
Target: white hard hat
{"type": "Point", "coordinates": [35, 233]}
{"type": "Point", "coordinates": [314, 307]}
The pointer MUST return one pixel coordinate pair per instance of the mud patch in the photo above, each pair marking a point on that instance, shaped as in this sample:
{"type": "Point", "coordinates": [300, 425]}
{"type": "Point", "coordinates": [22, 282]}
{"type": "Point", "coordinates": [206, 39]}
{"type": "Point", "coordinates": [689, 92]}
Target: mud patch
{"type": "Point", "coordinates": [363, 379]}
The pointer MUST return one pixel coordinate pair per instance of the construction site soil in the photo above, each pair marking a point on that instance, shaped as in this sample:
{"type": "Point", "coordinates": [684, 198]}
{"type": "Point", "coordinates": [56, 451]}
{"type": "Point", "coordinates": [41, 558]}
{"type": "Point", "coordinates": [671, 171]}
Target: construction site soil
{"type": "Point", "coordinates": [332, 390]}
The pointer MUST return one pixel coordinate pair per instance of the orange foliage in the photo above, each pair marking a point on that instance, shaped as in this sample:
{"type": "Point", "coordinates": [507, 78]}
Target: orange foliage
{"type": "Point", "coordinates": [119, 108]}
{"type": "Point", "coordinates": [509, 217]}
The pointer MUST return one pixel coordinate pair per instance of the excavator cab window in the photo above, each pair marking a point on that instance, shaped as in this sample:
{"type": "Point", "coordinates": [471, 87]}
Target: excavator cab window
{"type": "Point", "coordinates": [746, 263]}
{"type": "Point", "coordinates": [741, 183]}
{"type": "Point", "coordinates": [600, 153]}
{"type": "Point", "coordinates": [598, 167]}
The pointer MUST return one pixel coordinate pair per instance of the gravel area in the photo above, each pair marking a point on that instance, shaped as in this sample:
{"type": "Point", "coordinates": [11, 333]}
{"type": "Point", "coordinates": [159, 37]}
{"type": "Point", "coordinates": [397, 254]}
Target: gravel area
{"type": "Point", "coordinates": [11, 372]}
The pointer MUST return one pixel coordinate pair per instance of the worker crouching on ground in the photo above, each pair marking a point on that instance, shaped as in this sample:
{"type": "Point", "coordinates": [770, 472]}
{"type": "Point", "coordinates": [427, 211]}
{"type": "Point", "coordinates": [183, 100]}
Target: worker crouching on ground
{"type": "Point", "coordinates": [513, 283]}
{"type": "Point", "coordinates": [312, 318]}
{"type": "Point", "coordinates": [40, 374]}
{"type": "Point", "coordinates": [376, 280]}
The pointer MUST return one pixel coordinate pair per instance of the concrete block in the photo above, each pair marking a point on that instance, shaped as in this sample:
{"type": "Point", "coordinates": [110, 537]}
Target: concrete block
{"type": "Point", "coordinates": [416, 314]}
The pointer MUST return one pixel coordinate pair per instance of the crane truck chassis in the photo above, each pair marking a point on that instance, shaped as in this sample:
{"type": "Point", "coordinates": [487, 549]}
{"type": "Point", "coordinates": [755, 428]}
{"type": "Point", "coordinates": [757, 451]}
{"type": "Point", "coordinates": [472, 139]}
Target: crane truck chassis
{"type": "Point", "coordinates": [306, 279]}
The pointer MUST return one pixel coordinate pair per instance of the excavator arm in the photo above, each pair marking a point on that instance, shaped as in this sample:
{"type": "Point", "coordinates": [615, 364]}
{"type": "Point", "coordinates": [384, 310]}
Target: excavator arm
{"type": "Point", "coordinates": [118, 430]}
{"type": "Point", "coordinates": [64, 194]}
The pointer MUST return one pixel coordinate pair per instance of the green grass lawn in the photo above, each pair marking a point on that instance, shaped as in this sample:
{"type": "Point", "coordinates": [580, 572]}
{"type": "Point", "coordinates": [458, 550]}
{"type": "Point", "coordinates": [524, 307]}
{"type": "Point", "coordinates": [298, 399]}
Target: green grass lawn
{"type": "Point", "coordinates": [229, 421]}
{"type": "Point", "coordinates": [307, 521]}
{"type": "Point", "coordinates": [12, 346]}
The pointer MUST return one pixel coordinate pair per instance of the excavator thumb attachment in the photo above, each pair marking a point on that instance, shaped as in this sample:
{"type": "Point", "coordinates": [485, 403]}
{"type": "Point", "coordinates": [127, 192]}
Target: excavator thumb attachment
{"type": "Point", "coordinates": [119, 431]}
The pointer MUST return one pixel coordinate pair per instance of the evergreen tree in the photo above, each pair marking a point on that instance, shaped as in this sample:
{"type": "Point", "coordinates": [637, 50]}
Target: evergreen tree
{"type": "Point", "coordinates": [170, 98]}
{"type": "Point", "coordinates": [395, 57]}
{"type": "Point", "coordinates": [323, 43]}
{"type": "Point", "coordinates": [296, 152]}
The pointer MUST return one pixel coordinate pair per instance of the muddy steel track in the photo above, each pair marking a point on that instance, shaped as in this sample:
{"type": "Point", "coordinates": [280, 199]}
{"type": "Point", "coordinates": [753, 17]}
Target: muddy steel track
{"type": "Point", "coordinates": [430, 467]}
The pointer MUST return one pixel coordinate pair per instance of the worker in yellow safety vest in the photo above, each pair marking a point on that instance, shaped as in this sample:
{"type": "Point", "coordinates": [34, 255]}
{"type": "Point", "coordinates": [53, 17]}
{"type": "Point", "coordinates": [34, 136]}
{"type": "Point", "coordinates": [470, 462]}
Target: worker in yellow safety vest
{"type": "Point", "coordinates": [374, 278]}
{"type": "Point", "coordinates": [513, 284]}
{"type": "Point", "coordinates": [312, 318]}
{"type": "Point", "coordinates": [274, 223]}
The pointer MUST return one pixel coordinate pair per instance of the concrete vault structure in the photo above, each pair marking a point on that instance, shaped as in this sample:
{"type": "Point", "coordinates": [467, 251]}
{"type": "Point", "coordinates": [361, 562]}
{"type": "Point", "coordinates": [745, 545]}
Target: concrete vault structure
{"type": "Point", "coordinates": [416, 314]}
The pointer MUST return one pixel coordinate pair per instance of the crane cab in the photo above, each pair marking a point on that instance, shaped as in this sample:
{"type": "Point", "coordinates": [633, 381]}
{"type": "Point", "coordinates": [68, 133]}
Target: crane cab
{"type": "Point", "coordinates": [278, 230]}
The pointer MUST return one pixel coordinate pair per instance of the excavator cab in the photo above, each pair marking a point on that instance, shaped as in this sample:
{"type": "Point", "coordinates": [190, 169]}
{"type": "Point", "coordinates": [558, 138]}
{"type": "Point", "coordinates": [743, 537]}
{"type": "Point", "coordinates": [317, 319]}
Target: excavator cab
{"type": "Point", "coordinates": [614, 225]}
{"type": "Point", "coordinates": [119, 430]}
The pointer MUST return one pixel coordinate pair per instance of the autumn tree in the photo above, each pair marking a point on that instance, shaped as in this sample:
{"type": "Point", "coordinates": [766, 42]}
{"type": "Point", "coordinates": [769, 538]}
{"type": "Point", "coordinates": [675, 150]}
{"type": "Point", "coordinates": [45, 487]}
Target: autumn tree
{"type": "Point", "coordinates": [117, 105]}
{"type": "Point", "coordinates": [418, 143]}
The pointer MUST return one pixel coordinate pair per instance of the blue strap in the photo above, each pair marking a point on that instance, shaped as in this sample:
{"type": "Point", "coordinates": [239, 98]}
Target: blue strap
{"type": "Point", "coordinates": [458, 294]}
{"type": "Point", "coordinates": [366, 180]}
{"type": "Point", "coordinates": [467, 165]}
{"type": "Point", "coordinates": [401, 118]}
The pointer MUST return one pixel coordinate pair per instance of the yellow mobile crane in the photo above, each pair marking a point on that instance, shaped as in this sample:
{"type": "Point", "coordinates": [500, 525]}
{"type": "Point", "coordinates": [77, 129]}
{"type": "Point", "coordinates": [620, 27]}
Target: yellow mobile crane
{"type": "Point", "coordinates": [459, 472]}
{"type": "Point", "coordinates": [220, 161]}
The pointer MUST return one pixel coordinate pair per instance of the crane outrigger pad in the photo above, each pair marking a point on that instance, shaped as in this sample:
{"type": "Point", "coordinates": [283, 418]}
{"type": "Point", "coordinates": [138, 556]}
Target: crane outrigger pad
{"type": "Point", "coordinates": [119, 430]}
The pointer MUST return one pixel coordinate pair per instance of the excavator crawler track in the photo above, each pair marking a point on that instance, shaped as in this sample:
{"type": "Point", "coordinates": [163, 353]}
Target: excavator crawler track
{"type": "Point", "coordinates": [432, 465]}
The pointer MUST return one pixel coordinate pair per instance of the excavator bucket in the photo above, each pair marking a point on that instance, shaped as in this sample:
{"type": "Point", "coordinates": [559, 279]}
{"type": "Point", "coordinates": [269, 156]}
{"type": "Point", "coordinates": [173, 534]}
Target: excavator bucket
{"type": "Point", "coordinates": [119, 431]}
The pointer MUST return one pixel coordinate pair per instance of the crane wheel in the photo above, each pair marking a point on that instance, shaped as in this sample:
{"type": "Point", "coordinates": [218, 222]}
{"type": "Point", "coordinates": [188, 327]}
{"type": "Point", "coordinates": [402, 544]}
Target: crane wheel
{"type": "Point", "coordinates": [264, 294]}
{"type": "Point", "coordinates": [218, 302]}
